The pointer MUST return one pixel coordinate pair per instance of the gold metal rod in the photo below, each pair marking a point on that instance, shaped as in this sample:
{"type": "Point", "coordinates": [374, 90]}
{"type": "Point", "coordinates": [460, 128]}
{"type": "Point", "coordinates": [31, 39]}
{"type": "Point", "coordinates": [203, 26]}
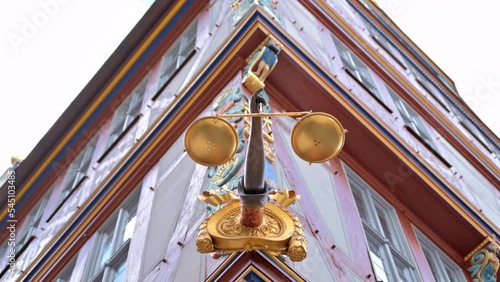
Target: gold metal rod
{"type": "Point", "coordinates": [291, 114]}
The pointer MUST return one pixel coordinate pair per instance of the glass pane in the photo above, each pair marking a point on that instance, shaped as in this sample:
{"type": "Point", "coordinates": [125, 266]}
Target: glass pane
{"type": "Point", "coordinates": [129, 229]}
{"type": "Point", "coordinates": [386, 226]}
{"type": "Point", "coordinates": [360, 204]}
{"type": "Point", "coordinates": [177, 53]}
{"type": "Point", "coordinates": [104, 249]}
{"type": "Point", "coordinates": [134, 107]}
{"type": "Point", "coordinates": [119, 273]}
{"type": "Point", "coordinates": [431, 263]}
{"type": "Point", "coordinates": [67, 272]}
{"type": "Point", "coordinates": [127, 224]}
{"type": "Point", "coordinates": [378, 264]}
{"type": "Point", "coordinates": [405, 273]}
{"type": "Point", "coordinates": [452, 274]}
{"type": "Point", "coordinates": [384, 236]}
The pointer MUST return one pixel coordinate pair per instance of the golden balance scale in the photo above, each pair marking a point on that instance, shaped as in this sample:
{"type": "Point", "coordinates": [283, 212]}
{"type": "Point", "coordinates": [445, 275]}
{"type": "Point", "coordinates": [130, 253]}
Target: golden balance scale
{"type": "Point", "coordinates": [316, 137]}
{"type": "Point", "coordinates": [213, 141]}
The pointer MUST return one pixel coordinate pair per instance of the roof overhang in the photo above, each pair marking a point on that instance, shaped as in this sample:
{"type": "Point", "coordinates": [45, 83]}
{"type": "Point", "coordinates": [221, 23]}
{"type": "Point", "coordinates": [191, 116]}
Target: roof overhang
{"type": "Point", "coordinates": [302, 84]}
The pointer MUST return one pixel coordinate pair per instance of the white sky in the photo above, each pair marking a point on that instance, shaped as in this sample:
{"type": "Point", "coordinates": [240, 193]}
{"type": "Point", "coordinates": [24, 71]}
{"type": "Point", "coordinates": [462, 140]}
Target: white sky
{"type": "Point", "coordinates": [462, 38]}
{"type": "Point", "coordinates": [50, 49]}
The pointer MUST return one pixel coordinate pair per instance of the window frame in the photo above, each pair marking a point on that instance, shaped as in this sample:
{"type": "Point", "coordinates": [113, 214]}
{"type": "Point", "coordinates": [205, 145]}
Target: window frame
{"type": "Point", "coordinates": [125, 116]}
{"type": "Point", "coordinates": [360, 72]}
{"type": "Point", "coordinates": [440, 260]}
{"type": "Point", "coordinates": [26, 234]}
{"type": "Point", "coordinates": [177, 56]}
{"type": "Point", "coordinates": [428, 87]}
{"type": "Point", "coordinates": [416, 126]}
{"type": "Point", "coordinates": [476, 134]}
{"type": "Point", "coordinates": [76, 174]}
{"type": "Point", "coordinates": [119, 245]}
{"type": "Point", "coordinates": [392, 247]}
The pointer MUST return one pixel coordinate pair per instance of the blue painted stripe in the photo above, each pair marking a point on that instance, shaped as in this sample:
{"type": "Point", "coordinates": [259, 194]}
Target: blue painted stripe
{"type": "Point", "coordinates": [190, 92]}
{"type": "Point", "coordinates": [99, 109]}
{"type": "Point", "coordinates": [382, 130]}
{"type": "Point", "coordinates": [422, 72]}
{"type": "Point", "coordinates": [141, 149]}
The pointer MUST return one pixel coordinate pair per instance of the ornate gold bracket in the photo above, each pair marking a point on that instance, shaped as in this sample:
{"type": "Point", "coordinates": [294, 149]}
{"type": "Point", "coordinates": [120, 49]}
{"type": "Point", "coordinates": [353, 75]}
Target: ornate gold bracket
{"type": "Point", "coordinates": [484, 261]}
{"type": "Point", "coordinates": [280, 233]}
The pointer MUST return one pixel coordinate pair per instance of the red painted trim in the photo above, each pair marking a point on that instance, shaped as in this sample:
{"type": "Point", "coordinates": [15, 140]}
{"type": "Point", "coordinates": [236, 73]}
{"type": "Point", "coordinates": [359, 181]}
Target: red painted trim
{"type": "Point", "coordinates": [489, 169]}
{"type": "Point", "coordinates": [315, 223]}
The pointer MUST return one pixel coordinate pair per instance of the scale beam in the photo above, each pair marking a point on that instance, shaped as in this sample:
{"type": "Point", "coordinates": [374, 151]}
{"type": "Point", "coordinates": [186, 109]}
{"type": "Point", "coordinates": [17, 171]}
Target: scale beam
{"type": "Point", "coordinates": [285, 114]}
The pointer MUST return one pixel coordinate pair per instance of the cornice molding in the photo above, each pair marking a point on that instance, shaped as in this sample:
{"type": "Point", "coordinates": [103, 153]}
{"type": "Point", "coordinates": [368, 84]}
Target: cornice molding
{"type": "Point", "coordinates": [169, 126]}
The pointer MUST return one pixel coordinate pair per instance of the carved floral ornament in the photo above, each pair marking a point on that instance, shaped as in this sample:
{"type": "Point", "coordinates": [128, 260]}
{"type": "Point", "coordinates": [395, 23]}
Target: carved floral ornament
{"type": "Point", "coordinates": [247, 212]}
{"type": "Point", "coordinates": [484, 260]}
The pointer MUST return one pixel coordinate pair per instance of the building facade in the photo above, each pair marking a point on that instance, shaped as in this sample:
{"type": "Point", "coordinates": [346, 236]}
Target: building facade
{"type": "Point", "coordinates": [110, 194]}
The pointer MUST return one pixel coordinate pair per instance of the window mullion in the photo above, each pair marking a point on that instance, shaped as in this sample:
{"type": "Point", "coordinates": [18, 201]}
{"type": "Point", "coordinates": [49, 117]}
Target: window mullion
{"type": "Point", "coordinates": [440, 267]}
{"type": "Point", "coordinates": [400, 256]}
{"type": "Point", "coordinates": [108, 273]}
{"type": "Point", "coordinates": [377, 233]}
{"type": "Point", "coordinates": [393, 270]}
{"type": "Point", "coordinates": [372, 212]}
{"type": "Point", "coordinates": [116, 241]}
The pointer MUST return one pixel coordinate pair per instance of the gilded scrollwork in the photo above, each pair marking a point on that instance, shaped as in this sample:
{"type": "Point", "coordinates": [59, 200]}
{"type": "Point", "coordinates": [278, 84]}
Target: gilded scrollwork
{"type": "Point", "coordinates": [485, 263]}
{"type": "Point", "coordinates": [226, 171]}
{"type": "Point", "coordinates": [272, 226]}
{"type": "Point", "coordinates": [204, 243]}
{"type": "Point", "coordinates": [297, 247]}
{"type": "Point", "coordinates": [284, 198]}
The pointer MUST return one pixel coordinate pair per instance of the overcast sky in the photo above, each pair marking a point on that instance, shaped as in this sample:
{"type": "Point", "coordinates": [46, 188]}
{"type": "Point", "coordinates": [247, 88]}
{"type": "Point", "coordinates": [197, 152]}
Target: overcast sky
{"type": "Point", "coordinates": [50, 49]}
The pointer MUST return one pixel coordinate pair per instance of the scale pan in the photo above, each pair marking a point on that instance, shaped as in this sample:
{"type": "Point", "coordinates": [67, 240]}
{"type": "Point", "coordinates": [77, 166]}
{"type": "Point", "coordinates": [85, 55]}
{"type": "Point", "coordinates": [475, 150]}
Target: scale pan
{"type": "Point", "coordinates": [317, 137]}
{"type": "Point", "coordinates": [211, 141]}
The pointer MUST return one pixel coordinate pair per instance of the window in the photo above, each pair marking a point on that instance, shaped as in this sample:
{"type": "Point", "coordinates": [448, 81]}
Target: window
{"type": "Point", "coordinates": [126, 114]}
{"type": "Point", "coordinates": [108, 260]}
{"type": "Point", "coordinates": [356, 68]}
{"type": "Point", "coordinates": [429, 88]}
{"type": "Point", "coordinates": [472, 130]}
{"type": "Point", "coordinates": [358, 71]}
{"type": "Point", "coordinates": [387, 246]}
{"type": "Point", "coordinates": [384, 43]}
{"type": "Point", "coordinates": [31, 222]}
{"type": "Point", "coordinates": [413, 121]}
{"type": "Point", "coordinates": [26, 232]}
{"type": "Point", "coordinates": [442, 267]}
{"type": "Point", "coordinates": [78, 170]}
{"type": "Point", "coordinates": [177, 54]}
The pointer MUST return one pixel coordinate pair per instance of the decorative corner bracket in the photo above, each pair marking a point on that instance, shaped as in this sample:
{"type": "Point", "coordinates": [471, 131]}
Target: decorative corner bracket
{"type": "Point", "coordinates": [280, 233]}
{"type": "Point", "coordinates": [484, 261]}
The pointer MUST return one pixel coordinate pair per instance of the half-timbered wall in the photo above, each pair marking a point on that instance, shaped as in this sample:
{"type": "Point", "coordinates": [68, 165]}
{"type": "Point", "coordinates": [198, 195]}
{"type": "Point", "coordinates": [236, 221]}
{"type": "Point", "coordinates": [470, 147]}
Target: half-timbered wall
{"type": "Point", "coordinates": [349, 44]}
